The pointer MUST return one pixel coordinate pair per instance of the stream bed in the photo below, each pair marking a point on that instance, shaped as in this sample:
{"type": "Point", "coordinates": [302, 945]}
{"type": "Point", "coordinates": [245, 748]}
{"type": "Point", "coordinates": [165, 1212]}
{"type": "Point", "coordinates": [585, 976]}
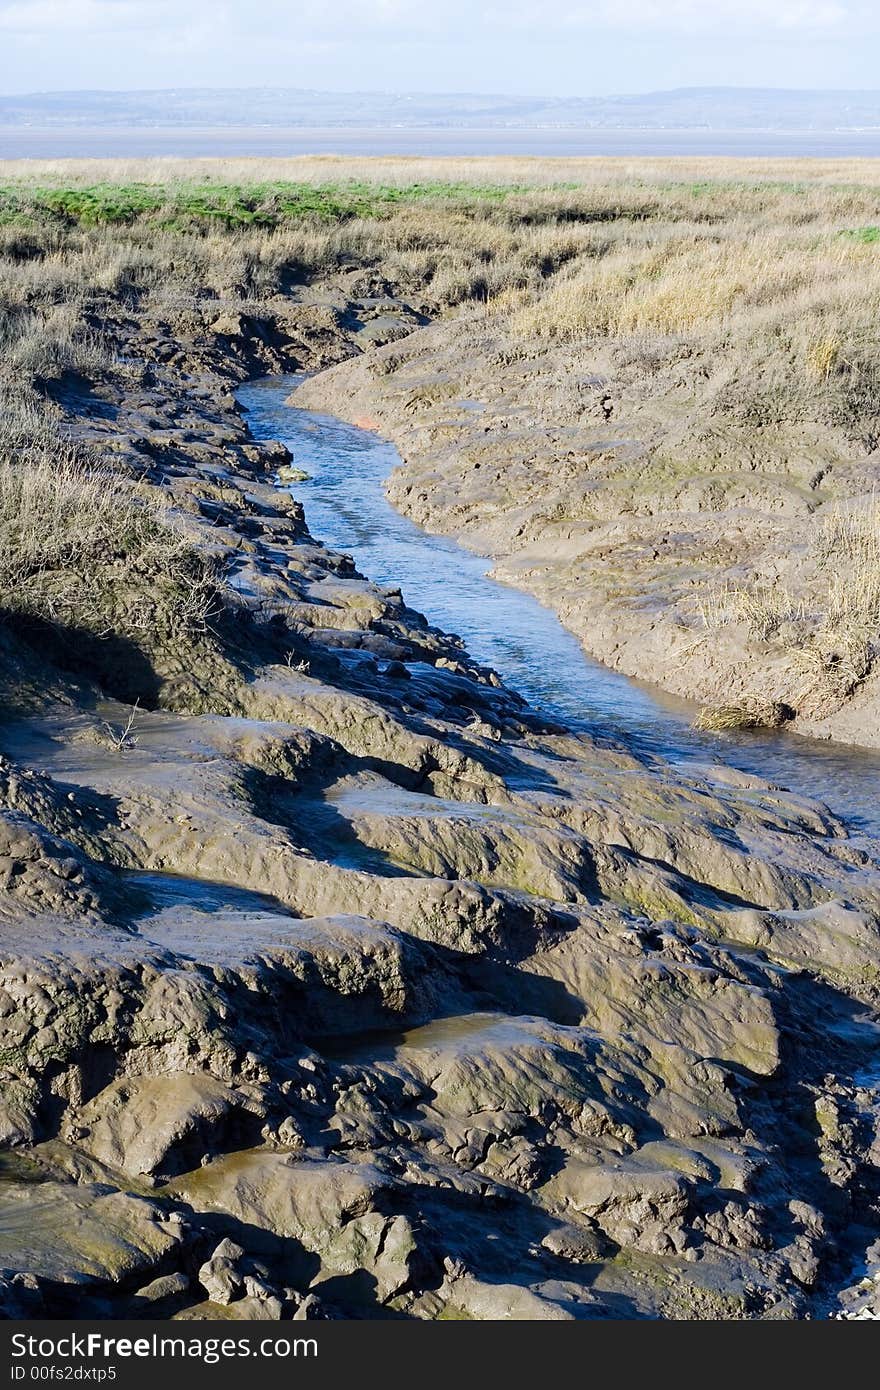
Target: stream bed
{"type": "Point", "coordinates": [510, 631]}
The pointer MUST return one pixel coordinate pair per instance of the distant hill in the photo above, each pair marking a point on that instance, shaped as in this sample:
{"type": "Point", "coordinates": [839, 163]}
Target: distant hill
{"type": "Point", "coordinates": [688, 108]}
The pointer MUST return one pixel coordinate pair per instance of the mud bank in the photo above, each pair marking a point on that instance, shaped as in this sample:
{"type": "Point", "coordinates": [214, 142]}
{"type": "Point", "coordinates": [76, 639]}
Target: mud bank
{"type": "Point", "coordinates": [346, 984]}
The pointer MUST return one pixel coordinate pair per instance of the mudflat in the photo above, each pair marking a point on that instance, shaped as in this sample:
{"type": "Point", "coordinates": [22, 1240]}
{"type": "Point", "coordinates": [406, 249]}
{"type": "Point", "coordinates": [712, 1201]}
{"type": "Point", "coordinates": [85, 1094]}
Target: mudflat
{"type": "Point", "coordinates": [334, 978]}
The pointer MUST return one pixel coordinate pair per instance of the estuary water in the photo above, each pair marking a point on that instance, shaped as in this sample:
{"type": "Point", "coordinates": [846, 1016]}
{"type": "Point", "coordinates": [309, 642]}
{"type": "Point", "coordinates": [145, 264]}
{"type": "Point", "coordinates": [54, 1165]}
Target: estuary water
{"type": "Point", "coordinates": [145, 142]}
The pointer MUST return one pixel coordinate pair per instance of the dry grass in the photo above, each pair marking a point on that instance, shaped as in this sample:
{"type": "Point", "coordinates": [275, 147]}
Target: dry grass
{"type": "Point", "coordinates": [689, 281]}
{"type": "Point", "coordinates": [850, 544]}
{"type": "Point", "coordinates": [830, 629]}
{"type": "Point", "coordinates": [537, 171]}
{"type": "Point", "coordinates": [764, 608]}
{"type": "Point", "coordinates": [58, 513]}
{"type": "Point", "coordinates": [79, 546]}
{"type": "Point", "coordinates": [746, 714]}
{"type": "Point", "coordinates": [822, 356]}
{"type": "Point", "coordinates": [46, 345]}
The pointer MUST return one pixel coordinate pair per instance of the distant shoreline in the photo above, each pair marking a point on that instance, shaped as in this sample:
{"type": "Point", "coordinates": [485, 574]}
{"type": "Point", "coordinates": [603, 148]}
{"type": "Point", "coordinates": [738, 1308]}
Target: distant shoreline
{"type": "Point", "coordinates": [58, 142]}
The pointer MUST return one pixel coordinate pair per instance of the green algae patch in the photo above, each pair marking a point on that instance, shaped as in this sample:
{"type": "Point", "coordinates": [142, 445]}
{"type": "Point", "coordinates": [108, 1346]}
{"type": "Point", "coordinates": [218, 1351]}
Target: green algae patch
{"type": "Point", "coordinates": [659, 907]}
{"type": "Point", "coordinates": [18, 1167]}
{"type": "Point", "coordinates": [231, 206]}
{"type": "Point", "coordinates": [865, 236]}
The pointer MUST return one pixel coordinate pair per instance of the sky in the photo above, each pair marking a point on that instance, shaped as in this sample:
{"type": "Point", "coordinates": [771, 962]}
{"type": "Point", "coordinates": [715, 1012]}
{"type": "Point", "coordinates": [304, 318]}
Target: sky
{"type": "Point", "coordinates": [533, 47]}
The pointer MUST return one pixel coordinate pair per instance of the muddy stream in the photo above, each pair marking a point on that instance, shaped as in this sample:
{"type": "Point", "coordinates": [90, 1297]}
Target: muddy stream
{"type": "Point", "coordinates": [502, 627]}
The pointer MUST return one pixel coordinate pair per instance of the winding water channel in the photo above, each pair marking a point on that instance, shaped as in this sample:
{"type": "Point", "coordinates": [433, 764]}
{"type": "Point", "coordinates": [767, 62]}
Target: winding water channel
{"type": "Point", "coordinates": [512, 632]}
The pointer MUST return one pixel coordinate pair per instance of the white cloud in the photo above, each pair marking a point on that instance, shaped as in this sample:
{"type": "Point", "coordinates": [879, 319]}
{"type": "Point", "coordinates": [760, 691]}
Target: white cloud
{"type": "Point", "coordinates": [46, 17]}
{"type": "Point", "coordinates": [459, 18]}
{"type": "Point", "coordinates": [344, 20]}
{"type": "Point", "coordinates": [577, 46]}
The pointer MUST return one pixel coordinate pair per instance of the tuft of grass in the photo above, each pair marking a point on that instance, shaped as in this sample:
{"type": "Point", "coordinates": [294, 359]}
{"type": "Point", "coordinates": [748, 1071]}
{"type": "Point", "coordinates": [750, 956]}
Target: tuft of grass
{"type": "Point", "coordinates": [747, 714]}
{"type": "Point", "coordinates": [850, 546]}
{"type": "Point", "coordinates": [79, 546]}
{"type": "Point", "coordinates": [823, 355]}
{"type": "Point", "coordinates": [763, 607]}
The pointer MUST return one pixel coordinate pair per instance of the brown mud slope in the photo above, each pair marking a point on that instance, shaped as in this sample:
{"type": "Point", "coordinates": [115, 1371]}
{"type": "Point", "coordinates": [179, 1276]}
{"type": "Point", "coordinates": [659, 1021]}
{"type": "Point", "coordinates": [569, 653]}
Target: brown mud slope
{"type": "Point", "coordinates": [689, 530]}
{"type": "Point", "coordinates": [342, 984]}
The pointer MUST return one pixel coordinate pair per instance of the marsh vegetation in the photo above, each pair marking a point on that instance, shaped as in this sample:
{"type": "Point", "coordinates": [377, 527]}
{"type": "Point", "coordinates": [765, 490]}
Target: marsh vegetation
{"type": "Point", "coordinates": [743, 297]}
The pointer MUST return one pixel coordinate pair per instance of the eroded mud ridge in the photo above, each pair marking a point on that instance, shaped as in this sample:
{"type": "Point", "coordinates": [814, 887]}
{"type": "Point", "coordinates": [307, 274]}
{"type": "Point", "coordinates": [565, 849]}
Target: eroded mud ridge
{"type": "Point", "coordinates": [344, 984]}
